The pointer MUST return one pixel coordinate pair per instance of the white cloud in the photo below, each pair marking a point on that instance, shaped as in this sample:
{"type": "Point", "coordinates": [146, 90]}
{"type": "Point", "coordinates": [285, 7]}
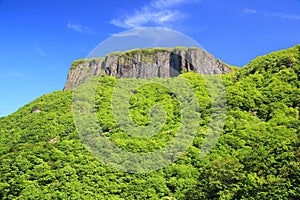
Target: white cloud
{"type": "Point", "coordinates": [158, 13]}
{"type": "Point", "coordinates": [171, 3]}
{"type": "Point", "coordinates": [283, 16]}
{"type": "Point", "coordinates": [159, 4]}
{"type": "Point", "coordinates": [134, 32]}
{"type": "Point", "coordinates": [250, 11]}
{"type": "Point", "coordinates": [79, 28]}
{"type": "Point", "coordinates": [40, 51]}
{"type": "Point", "coordinates": [273, 14]}
{"type": "Point", "coordinates": [148, 32]}
{"type": "Point", "coordinates": [148, 17]}
{"type": "Point", "coordinates": [11, 74]}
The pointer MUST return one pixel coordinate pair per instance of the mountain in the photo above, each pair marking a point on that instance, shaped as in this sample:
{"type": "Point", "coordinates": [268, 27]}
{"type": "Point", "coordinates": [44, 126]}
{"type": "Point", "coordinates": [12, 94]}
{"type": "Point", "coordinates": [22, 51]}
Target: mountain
{"type": "Point", "coordinates": [146, 63]}
{"type": "Point", "coordinates": [257, 154]}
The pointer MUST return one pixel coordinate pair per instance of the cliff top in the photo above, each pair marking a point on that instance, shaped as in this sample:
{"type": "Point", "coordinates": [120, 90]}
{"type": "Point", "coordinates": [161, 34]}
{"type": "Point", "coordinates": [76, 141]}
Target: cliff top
{"type": "Point", "coordinates": [146, 63]}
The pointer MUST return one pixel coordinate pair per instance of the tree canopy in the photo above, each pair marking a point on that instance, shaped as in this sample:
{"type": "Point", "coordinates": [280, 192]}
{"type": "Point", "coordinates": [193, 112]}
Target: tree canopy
{"type": "Point", "coordinates": [257, 155]}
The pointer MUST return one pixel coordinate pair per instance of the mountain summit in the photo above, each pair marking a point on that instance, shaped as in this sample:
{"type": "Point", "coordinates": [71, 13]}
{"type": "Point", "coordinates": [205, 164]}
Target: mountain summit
{"type": "Point", "coordinates": [146, 63]}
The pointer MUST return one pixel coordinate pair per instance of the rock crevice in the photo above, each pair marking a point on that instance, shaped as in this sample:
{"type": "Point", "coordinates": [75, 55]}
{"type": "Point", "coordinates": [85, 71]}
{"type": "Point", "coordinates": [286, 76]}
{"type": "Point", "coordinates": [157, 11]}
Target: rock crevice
{"type": "Point", "coordinates": [146, 63]}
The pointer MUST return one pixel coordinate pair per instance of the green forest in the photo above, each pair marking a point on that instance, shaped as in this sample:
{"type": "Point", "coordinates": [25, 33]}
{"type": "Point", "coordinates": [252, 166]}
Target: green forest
{"type": "Point", "coordinates": [257, 155]}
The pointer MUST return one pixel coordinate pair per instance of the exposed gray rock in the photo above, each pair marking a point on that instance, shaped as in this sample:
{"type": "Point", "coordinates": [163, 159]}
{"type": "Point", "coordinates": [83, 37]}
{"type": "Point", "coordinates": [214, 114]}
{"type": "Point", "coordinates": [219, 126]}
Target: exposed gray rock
{"type": "Point", "coordinates": [53, 140]}
{"type": "Point", "coordinates": [146, 63]}
{"type": "Point", "coordinates": [36, 111]}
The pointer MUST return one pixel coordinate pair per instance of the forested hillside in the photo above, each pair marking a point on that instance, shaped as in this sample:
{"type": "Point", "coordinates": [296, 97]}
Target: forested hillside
{"type": "Point", "coordinates": [257, 155]}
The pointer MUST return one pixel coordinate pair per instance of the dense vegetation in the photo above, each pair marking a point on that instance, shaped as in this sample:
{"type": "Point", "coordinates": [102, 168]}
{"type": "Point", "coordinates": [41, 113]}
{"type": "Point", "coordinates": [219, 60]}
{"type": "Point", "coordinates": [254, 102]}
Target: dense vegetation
{"type": "Point", "coordinates": [256, 157]}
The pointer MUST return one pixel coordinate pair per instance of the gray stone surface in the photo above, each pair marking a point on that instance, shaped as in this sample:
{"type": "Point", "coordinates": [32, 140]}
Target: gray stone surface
{"type": "Point", "coordinates": [146, 63]}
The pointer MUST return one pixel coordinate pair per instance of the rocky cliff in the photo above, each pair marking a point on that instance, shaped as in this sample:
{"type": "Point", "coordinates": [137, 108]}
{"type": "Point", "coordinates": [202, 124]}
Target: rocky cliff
{"type": "Point", "coordinates": [146, 63]}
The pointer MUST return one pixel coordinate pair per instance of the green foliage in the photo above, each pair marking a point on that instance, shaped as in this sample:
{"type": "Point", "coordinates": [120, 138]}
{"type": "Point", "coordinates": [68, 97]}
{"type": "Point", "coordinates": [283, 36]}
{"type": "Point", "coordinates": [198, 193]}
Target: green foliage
{"type": "Point", "coordinates": [144, 51]}
{"type": "Point", "coordinates": [80, 61]}
{"type": "Point", "coordinates": [256, 157]}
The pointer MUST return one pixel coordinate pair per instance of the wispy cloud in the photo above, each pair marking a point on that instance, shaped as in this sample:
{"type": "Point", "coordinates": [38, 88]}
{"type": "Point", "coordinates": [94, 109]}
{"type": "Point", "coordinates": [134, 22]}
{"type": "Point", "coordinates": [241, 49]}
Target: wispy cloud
{"type": "Point", "coordinates": [148, 16]}
{"type": "Point", "coordinates": [127, 33]}
{"type": "Point", "coordinates": [39, 51]}
{"type": "Point", "coordinates": [157, 13]}
{"type": "Point", "coordinates": [283, 16]}
{"type": "Point", "coordinates": [11, 74]}
{"type": "Point", "coordinates": [79, 28]}
{"type": "Point", "coordinates": [249, 11]}
{"type": "Point", "coordinates": [160, 4]}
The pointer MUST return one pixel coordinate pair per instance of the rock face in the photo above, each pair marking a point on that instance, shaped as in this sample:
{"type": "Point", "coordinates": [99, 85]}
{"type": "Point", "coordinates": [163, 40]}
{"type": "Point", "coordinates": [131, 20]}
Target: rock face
{"type": "Point", "coordinates": [146, 63]}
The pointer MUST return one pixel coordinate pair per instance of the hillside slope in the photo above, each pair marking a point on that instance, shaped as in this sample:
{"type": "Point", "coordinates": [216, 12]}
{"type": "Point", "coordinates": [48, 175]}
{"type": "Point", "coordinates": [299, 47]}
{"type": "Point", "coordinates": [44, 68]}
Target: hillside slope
{"type": "Point", "coordinates": [256, 157]}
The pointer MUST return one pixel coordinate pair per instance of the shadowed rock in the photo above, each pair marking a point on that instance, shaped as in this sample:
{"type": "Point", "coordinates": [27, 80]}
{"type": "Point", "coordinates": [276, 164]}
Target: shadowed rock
{"type": "Point", "coordinates": [146, 63]}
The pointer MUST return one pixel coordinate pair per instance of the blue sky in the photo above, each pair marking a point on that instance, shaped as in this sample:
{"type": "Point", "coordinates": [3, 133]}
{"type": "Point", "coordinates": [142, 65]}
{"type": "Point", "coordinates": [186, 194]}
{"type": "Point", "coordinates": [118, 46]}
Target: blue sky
{"type": "Point", "coordinates": [40, 39]}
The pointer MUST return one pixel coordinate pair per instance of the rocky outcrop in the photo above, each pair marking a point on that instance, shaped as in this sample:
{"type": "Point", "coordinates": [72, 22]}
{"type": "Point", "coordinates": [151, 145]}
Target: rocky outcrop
{"type": "Point", "coordinates": [146, 63]}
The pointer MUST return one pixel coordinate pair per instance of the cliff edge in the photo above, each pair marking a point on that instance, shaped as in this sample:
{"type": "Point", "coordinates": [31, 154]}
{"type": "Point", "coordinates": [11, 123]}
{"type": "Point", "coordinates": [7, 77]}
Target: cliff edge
{"type": "Point", "coordinates": [146, 63]}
